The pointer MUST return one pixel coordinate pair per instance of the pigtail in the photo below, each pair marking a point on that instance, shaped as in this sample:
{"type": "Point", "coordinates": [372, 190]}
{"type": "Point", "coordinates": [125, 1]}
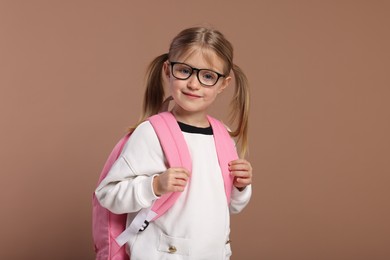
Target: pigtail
{"type": "Point", "coordinates": [240, 109]}
{"type": "Point", "coordinates": [154, 93]}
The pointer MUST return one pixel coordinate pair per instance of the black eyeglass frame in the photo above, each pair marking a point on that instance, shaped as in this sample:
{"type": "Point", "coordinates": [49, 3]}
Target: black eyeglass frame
{"type": "Point", "coordinates": [172, 63]}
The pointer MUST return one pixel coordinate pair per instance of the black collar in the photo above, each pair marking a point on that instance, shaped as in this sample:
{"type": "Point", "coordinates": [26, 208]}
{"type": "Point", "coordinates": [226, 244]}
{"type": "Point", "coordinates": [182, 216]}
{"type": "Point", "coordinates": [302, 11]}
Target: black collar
{"type": "Point", "coordinates": [195, 130]}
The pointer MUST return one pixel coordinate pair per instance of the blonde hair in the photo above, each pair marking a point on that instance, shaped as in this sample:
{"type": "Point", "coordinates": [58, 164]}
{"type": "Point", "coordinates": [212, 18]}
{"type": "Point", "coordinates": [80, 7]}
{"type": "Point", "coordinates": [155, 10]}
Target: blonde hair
{"type": "Point", "coordinates": [202, 38]}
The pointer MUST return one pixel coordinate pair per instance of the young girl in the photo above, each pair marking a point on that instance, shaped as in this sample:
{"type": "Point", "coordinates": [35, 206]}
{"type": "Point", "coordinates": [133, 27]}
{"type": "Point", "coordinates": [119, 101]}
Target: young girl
{"type": "Point", "coordinates": [196, 69]}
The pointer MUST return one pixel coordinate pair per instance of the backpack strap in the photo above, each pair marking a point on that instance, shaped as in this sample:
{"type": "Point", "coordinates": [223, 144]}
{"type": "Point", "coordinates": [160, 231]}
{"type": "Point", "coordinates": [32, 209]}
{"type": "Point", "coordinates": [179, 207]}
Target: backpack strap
{"type": "Point", "coordinates": [226, 152]}
{"type": "Point", "coordinates": [176, 152]}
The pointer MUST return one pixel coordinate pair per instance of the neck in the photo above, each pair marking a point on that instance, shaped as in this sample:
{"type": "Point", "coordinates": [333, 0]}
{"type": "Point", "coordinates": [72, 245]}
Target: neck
{"type": "Point", "coordinates": [198, 119]}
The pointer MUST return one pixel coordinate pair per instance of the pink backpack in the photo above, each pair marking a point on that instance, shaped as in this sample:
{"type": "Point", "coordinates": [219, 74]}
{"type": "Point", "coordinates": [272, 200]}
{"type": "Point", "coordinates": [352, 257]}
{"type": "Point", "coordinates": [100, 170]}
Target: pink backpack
{"type": "Point", "coordinates": [109, 230]}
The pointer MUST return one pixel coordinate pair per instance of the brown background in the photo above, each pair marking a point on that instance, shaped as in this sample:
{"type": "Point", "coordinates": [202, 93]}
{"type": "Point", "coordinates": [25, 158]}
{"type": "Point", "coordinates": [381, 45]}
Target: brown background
{"type": "Point", "coordinates": [71, 76]}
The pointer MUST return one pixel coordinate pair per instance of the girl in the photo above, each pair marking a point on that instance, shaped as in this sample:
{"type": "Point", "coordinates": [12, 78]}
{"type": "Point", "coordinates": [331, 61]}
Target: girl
{"type": "Point", "coordinates": [196, 69]}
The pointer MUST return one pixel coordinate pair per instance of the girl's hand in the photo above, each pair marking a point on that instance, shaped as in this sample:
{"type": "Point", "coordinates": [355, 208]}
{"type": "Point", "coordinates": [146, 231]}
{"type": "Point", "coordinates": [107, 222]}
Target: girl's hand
{"type": "Point", "coordinates": [241, 169]}
{"type": "Point", "coordinates": [172, 180]}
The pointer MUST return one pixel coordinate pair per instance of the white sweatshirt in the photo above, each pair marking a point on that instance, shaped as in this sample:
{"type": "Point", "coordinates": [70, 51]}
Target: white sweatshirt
{"type": "Point", "coordinates": [197, 225]}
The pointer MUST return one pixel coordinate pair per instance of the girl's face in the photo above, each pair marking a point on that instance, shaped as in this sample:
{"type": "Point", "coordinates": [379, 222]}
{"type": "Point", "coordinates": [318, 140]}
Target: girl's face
{"type": "Point", "coordinates": [190, 96]}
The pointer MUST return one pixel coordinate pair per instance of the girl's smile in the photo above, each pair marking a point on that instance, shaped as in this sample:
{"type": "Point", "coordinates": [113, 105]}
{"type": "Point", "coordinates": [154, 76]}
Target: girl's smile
{"type": "Point", "coordinates": [191, 95]}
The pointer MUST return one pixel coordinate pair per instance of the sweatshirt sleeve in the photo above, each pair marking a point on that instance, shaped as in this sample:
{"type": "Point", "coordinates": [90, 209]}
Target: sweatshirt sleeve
{"type": "Point", "coordinates": [128, 186]}
{"type": "Point", "coordinates": [239, 199]}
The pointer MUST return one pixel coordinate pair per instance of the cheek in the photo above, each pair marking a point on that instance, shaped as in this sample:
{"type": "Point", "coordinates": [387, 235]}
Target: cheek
{"type": "Point", "coordinates": [211, 95]}
{"type": "Point", "coordinates": [174, 86]}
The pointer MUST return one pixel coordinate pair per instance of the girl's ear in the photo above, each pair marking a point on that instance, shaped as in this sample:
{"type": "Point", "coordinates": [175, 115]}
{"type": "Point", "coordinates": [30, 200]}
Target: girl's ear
{"type": "Point", "coordinates": [166, 69]}
{"type": "Point", "coordinates": [224, 84]}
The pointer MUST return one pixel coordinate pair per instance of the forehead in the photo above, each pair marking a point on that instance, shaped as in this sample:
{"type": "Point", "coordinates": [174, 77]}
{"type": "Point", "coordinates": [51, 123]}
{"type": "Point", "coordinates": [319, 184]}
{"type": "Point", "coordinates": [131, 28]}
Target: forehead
{"type": "Point", "coordinates": [202, 58]}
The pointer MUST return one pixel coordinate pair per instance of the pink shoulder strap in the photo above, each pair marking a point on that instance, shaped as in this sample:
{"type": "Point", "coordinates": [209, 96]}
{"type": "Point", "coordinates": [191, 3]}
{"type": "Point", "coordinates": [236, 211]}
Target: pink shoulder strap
{"type": "Point", "coordinates": [226, 152]}
{"type": "Point", "coordinates": [176, 151]}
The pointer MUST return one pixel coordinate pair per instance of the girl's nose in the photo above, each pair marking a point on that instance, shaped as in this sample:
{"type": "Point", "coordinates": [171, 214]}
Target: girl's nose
{"type": "Point", "coordinates": [193, 81]}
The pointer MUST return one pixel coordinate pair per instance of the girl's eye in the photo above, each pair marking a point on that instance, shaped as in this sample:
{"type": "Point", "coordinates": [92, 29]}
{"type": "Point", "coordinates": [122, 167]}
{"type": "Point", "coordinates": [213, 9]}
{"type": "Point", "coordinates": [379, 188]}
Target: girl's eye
{"type": "Point", "coordinates": [209, 76]}
{"type": "Point", "coordinates": [185, 71]}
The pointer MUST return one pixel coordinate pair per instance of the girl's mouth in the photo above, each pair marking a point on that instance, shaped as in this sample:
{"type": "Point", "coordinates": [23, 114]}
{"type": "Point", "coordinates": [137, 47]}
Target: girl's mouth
{"type": "Point", "coordinates": [190, 95]}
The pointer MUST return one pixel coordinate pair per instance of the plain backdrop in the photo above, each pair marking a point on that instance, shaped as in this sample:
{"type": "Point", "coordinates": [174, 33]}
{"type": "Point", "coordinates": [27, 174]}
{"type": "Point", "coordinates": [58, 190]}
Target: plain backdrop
{"type": "Point", "coordinates": [71, 79]}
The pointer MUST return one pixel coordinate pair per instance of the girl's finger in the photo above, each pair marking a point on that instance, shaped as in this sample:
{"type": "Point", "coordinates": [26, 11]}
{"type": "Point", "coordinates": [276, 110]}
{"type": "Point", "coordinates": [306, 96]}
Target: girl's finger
{"type": "Point", "coordinates": [240, 173]}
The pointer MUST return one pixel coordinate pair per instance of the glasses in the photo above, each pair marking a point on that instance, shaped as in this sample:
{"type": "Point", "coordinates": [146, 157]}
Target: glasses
{"type": "Point", "coordinates": [184, 71]}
